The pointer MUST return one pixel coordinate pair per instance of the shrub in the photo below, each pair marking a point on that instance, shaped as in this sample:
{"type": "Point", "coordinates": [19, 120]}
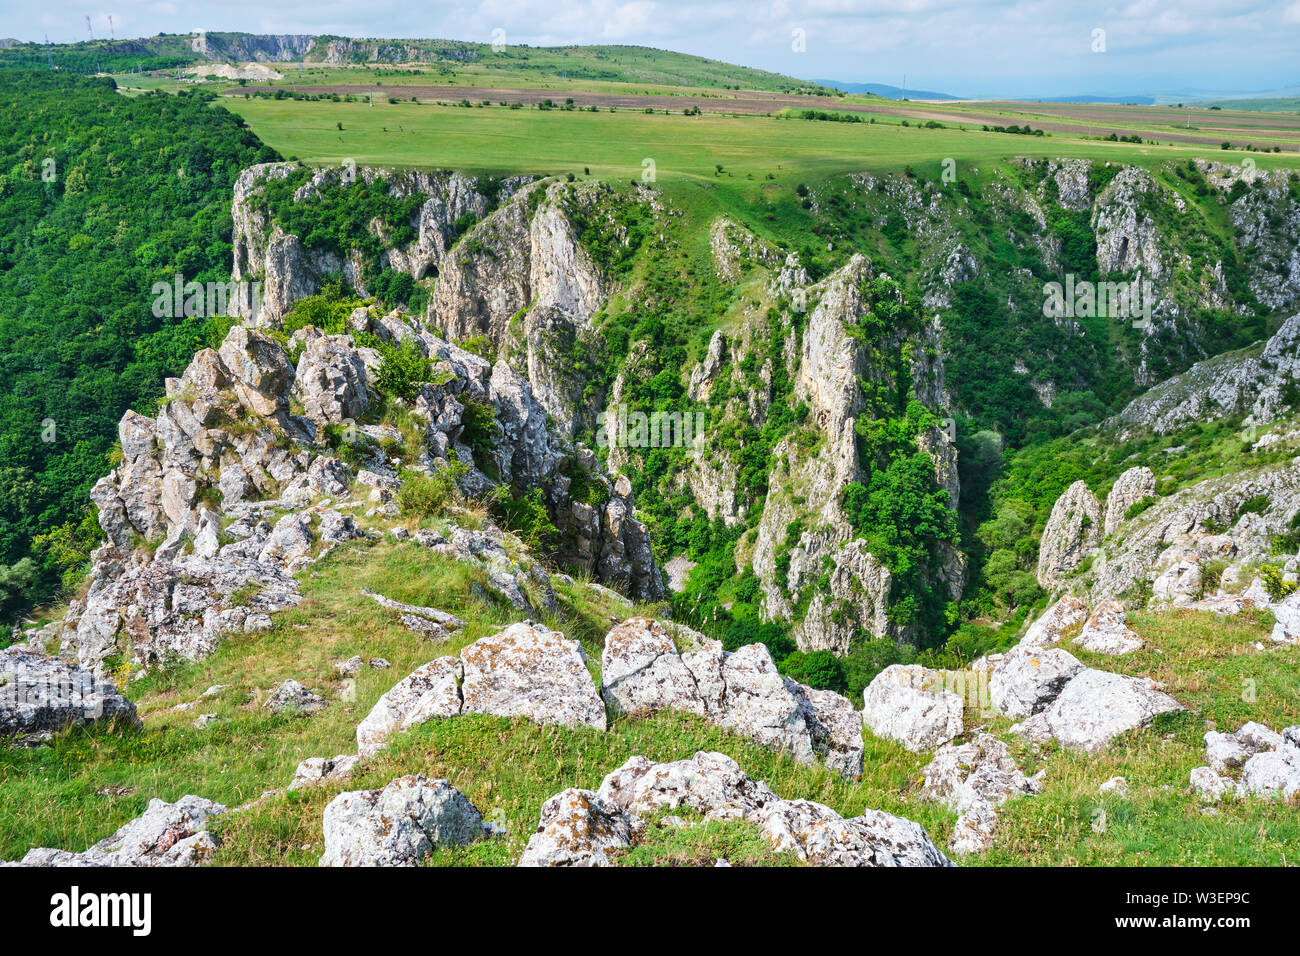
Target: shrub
{"type": "Point", "coordinates": [423, 496]}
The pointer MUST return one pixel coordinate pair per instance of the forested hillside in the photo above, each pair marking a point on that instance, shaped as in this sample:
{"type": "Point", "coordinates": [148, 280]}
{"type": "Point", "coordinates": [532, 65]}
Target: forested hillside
{"type": "Point", "coordinates": [101, 195]}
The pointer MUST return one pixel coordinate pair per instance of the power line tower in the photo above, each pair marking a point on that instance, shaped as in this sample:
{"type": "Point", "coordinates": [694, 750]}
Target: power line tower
{"type": "Point", "coordinates": [49, 56]}
{"type": "Point", "coordinates": [111, 34]}
{"type": "Point", "coordinates": [89, 30]}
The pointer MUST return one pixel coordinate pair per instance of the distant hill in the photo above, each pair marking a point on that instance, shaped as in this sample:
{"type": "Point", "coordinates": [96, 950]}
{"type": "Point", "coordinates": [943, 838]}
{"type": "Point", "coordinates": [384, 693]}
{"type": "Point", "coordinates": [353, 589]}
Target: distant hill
{"type": "Point", "coordinates": [626, 64]}
{"type": "Point", "coordinates": [1089, 98]}
{"type": "Point", "coordinates": [885, 90]}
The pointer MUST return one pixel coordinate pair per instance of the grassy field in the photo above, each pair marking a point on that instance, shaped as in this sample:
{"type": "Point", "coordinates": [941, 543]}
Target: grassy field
{"type": "Point", "coordinates": [614, 145]}
{"type": "Point", "coordinates": [84, 785]}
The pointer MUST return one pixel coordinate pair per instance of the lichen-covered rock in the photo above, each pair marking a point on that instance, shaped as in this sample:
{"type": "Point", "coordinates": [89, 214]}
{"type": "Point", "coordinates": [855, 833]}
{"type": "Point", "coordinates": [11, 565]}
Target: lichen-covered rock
{"type": "Point", "coordinates": [295, 700]}
{"type": "Point", "coordinates": [834, 726]}
{"type": "Point", "coordinates": [528, 670]}
{"type": "Point", "coordinates": [1071, 535]}
{"type": "Point", "coordinates": [41, 695]}
{"type": "Point", "coordinates": [577, 828]}
{"type": "Point", "coordinates": [1208, 785]}
{"type": "Point", "coordinates": [641, 671]}
{"type": "Point", "coordinates": [1107, 630]}
{"type": "Point", "coordinates": [908, 704]}
{"type": "Point", "coordinates": [1029, 678]}
{"type": "Point", "coordinates": [399, 825]}
{"type": "Point", "coordinates": [970, 775]}
{"type": "Point", "coordinates": [1094, 708]}
{"type": "Point", "coordinates": [1272, 773]}
{"type": "Point", "coordinates": [712, 784]}
{"type": "Point", "coordinates": [260, 369]}
{"type": "Point", "coordinates": [317, 770]}
{"type": "Point", "coordinates": [822, 837]}
{"type": "Point", "coordinates": [1066, 613]}
{"type": "Point", "coordinates": [974, 831]}
{"type": "Point", "coordinates": [1132, 487]}
{"type": "Point", "coordinates": [166, 834]}
{"type": "Point", "coordinates": [331, 380]}
{"type": "Point", "coordinates": [759, 706]}
{"type": "Point", "coordinates": [429, 692]}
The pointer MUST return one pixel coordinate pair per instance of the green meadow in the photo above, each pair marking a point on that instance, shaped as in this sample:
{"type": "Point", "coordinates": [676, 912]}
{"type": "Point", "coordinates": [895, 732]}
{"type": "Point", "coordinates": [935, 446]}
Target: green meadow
{"type": "Point", "coordinates": [614, 145]}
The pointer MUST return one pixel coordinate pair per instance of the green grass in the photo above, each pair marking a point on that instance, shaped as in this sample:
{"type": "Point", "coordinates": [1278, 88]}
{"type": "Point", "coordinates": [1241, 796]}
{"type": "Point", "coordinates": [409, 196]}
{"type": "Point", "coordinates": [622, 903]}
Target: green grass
{"type": "Point", "coordinates": [613, 145]}
{"type": "Point", "coordinates": [84, 785]}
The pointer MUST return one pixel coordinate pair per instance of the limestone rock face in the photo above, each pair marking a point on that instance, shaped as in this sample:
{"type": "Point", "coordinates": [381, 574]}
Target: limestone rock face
{"type": "Point", "coordinates": [908, 704]}
{"type": "Point", "coordinates": [331, 380]}
{"type": "Point", "coordinates": [40, 696]}
{"type": "Point", "coordinates": [1130, 488]}
{"type": "Point", "coordinates": [260, 369]}
{"type": "Point", "coordinates": [1094, 708]}
{"type": "Point", "coordinates": [1071, 535]}
{"type": "Point", "coordinates": [1027, 679]}
{"type": "Point", "coordinates": [1251, 384]}
{"type": "Point", "coordinates": [398, 825]}
{"type": "Point", "coordinates": [429, 692]}
{"type": "Point", "coordinates": [528, 670]}
{"type": "Point", "coordinates": [166, 834]}
{"type": "Point", "coordinates": [642, 672]}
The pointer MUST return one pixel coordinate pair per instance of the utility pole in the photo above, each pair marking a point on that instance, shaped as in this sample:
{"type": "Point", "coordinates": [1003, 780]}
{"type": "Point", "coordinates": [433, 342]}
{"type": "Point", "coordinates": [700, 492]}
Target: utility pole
{"type": "Point", "coordinates": [904, 87]}
{"type": "Point", "coordinates": [111, 34]}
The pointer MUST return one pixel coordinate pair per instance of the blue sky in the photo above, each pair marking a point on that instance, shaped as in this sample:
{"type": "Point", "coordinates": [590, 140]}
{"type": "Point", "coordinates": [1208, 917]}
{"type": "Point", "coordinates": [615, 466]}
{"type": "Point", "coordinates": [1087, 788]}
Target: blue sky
{"type": "Point", "coordinates": [996, 47]}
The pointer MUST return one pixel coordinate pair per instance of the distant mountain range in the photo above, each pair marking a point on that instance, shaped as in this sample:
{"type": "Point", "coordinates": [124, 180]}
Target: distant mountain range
{"type": "Point", "coordinates": [885, 90]}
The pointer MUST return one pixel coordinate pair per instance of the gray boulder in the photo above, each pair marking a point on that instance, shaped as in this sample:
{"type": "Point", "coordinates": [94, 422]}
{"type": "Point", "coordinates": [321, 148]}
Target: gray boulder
{"type": "Point", "coordinates": [166, 834]}
{"type": "Point", "coordinates": [908, 704]}
{"type": "Point", "coordinates": [429, 692]}
{"type": "Point", "coordinates": [41, 695]}
{"type": "Point", "coordinates": [398, 825]}
{"type": "Point", "coordinates": [1027, 679]}
{"type": "Point", "coordinates": [528, 670]}
{"type": "Point", "coordinates": [1072, 533]}
{"type": "Point", "coordinates": [578, 828]}
{"type": "Point", "coordinates": [1094, 708]}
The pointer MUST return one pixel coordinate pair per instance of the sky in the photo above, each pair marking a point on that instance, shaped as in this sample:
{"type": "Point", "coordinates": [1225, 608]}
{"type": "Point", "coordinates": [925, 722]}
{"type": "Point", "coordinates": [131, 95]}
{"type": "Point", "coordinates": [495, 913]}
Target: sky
{"type": "Point", "coordinates": [995, 47]}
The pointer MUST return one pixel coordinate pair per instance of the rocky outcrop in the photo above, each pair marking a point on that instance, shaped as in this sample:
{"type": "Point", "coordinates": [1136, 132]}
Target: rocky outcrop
{"type": "Point", "coordinates": [289, 270]}
{"type": "Point", "coordinates": [1251, 382]}
{"type": "Point", "coordinates": [1107, 630]}
{"type": "Point", "coordinates": [42, 695]}
{"type": "Point", "coordinates": [1132, 487]}
{"type": "Point", "coordinates": [1251, 761]}
{"type": "Point", "coordinates": [582, 828]}
{"type": "Point", "coordinates": [528, 670]}
{"type": "Point", "coordinates": [803, 517]}
{"type": "Point", "coordinates": [1094, 708]}
{"type": "Point", "coordinates": [974, 779]}
{"type": "Point", "coordinates": [1028, 678]}
{"type": "Point", "coordinates": [1067, 613]}
{"type": "Point", "coordinates": [1071, 535]}
{"type": "Point", "coordinates": [294, 700]}
{"type": "Point", "coordinates": [399, 825]}
{"type": "Point", "coordinates": [166, 834]}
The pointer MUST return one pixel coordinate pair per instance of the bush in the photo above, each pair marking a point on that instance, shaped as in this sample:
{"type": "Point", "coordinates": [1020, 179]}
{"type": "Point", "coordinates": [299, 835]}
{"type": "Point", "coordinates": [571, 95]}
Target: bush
{"type": "Point", "coordinates": [404, 372]}
{"type": "Point", "coordinates": [423, 496]}
{"type": "Point", "coordinates": [819, 669]}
